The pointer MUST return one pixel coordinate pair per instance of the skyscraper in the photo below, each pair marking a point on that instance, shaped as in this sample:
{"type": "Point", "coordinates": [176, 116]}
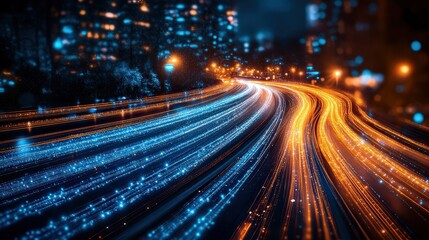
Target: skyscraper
{"type": "Point", "coordinates": [90, 33]}
{"type": "Point", "coordinates": [205, 27]}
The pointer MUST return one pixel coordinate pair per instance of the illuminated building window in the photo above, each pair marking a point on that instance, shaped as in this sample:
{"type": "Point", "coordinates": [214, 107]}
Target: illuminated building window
{"type": "Point", "coordinates": [144, 8]}
{"type": "Point", "coordinates": [142, 24]}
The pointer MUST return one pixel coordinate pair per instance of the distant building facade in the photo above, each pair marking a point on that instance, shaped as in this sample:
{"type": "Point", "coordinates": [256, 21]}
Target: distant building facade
{"type": "Point", "coordinates": [89, 33]}
{"type": "Point", "coordinates": [208, 28]}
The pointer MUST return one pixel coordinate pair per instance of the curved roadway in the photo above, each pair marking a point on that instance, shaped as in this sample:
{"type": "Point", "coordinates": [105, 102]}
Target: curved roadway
{"type": "Point", "coordinates": [243, 160]}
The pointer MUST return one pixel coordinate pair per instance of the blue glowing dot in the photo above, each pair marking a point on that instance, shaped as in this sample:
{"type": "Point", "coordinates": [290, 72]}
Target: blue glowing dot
{"type": "Point", "coordinates": [220, 7]}
{"type": "Point", "coordinates": [338, 3]}
{"type": "Point", "coordinates": [127, 21]}
{"type": "Point", "coordinates": [359, 60]}
{"type": "Point", "coordinates": [67, 30]}
{"type": "Point", "coordinates": [58, 44]}
{"type": "Point", "coordinates": [380, 181]}
{"type": "Point", "coordinates": [322, 41]}
{"type": "Point", "coordinates": [22, 142]}
{"type": "Point", "coordinates": [373, 7]}
{"type": "Point", "coordinates": [416, 46]}
{"type": "Point", "coordinates": [367, 72]}
{"type": "Point", "coordinates": [11, 83]}
{"type": "Point", "coordinates": [169, 67]}
{"type": "Point", "coordinates": [418, 118]}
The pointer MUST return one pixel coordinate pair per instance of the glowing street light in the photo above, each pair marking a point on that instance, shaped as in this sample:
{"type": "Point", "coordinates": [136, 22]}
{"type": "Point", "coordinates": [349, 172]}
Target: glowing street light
{"type": "Point", "coordinates": [169, 67]}
{"type": "Point", "coordinates": [404, 70]}
{"type": "Point", "coordinates": [337, 74]}
{"type": "Point", "coordinates": [301, 74]}
{"type": "Point", "coordinates": [173, 59]}
{"type": "Point", "coordinates": [293, 71]}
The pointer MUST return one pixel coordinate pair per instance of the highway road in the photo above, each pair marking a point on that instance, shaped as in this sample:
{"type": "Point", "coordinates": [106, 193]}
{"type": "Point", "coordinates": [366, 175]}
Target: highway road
{"type": "Point", "coordinates": [240, 160]}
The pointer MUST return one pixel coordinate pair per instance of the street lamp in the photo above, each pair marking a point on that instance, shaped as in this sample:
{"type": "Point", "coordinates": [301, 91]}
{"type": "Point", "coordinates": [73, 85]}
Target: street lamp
{"type": "Point", "coordinates": [301, 74]}
{"type": "Point", "coordinates": [293, 70]}
{"type": "Point", "coordinates": [173, 59]}
{"type": "Point", "coordinates": [337, 74]}
{"type": "Point", "coordinates": [169, 68]}
{"type": "Point", "coordinates": [404, 70]}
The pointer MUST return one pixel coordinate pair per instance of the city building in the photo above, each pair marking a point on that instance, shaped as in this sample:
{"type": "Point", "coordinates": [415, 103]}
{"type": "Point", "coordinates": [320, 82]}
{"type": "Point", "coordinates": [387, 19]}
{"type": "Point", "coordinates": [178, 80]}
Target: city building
{"type": "Point", "coordinates": [337, 30]}
{"type": "Point", "coordinates": [372, 41]}
{"type": "Point", "coordinates": [22, 35]}
{"type": "Point", "coordinates": [90, 33]}
{"type": "Point", "coordinates": [207, 28]}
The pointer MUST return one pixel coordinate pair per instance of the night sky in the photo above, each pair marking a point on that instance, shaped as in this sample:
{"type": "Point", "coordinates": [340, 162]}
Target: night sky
{"type": "Point", "coordinates": [283, 18]}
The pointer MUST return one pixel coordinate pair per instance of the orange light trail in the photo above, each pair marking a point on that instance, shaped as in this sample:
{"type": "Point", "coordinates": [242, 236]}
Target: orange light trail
{"type": "Point", "coordinates": [322, 138]}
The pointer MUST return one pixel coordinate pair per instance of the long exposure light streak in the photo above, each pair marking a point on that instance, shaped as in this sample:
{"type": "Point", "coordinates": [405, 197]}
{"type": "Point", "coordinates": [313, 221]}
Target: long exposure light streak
{"type": "Point", "coordinates": [370, 182]}
{"type": "Point", "coordinates": [175, 166]}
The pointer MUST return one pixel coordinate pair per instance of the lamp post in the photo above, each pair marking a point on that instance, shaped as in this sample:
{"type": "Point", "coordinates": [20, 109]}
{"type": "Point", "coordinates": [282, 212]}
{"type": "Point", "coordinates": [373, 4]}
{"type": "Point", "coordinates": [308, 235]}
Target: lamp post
{"type": "Point", "coordinates": [337, 74]}
{"type": "Point", "coordinates": [301, 74]}
{"type": "Point", "coordinates": [293, 71]}
{"type": "Point", "coordinates": [169, 67]}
